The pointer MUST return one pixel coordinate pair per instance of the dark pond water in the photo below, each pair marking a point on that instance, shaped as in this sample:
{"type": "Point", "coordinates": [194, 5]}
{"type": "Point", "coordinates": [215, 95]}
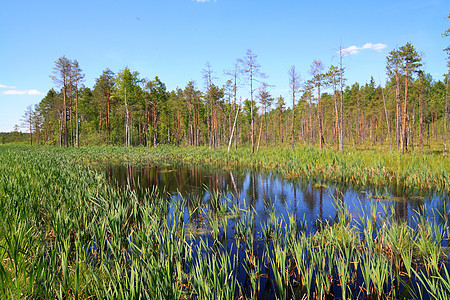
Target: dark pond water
{"type": "Point", "coordinates": [266, 191]}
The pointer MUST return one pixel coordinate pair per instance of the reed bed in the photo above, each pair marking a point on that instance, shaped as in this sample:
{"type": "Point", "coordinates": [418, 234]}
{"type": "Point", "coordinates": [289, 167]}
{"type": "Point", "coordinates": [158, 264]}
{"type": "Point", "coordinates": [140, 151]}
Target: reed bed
{"type": "Point", "coordinates": [363, 169]}
{"type": "Point", "coordinates": [67, 234]}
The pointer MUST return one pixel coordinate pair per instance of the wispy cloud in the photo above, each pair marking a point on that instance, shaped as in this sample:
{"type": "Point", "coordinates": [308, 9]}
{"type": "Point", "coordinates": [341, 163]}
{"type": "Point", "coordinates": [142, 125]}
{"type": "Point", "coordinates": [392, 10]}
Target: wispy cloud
{"type": "Point", "coordinates": [376, 47]}
{"type": "Point", "coordinates": [11, 90]}
{"type": "Point", "coordinates": [352, 50]}
{"type": "Point", "coordinates": [2, 86]}
{"type": "Point", "coordinates": [22, 92]}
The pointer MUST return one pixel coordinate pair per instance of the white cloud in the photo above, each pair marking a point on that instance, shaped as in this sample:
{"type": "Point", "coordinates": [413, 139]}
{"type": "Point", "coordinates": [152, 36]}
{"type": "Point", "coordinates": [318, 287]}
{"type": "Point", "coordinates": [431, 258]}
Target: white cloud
{"type": "Point", "coordinates": [355, 49]}
{"type": "Point", "coordinates": [11, 90]}
{"type": "Point", "coordinates": [34, 92]}
{"type": "Point", "coordinates": [376, 47]}
{"type": "Point", "coordinates": [7, 86]}
{"type": "Point", "coordinates": [351, 50]}
{"type": "Point", "coordinates": [22, 92]}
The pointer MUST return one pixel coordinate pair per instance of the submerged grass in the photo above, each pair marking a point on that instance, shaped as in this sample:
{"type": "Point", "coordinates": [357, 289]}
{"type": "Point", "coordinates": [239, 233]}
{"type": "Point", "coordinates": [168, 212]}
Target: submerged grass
{"type": "Point", "coordinates": [66, 234]}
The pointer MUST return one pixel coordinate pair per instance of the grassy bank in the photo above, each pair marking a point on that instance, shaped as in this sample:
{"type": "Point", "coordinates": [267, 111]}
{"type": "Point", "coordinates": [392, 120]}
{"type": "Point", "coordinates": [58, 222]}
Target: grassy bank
{"type": "Point", "coordinates": [360, 169]}
{"type": "Point", "coordinates": [66, 234]}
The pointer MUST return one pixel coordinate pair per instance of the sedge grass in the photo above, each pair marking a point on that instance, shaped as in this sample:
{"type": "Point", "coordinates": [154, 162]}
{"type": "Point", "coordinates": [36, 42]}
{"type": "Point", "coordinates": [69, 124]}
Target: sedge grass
{"type": "Point", "coordinates": [65, 233]}
{"type": "Point", "coordinates": [358, 168]}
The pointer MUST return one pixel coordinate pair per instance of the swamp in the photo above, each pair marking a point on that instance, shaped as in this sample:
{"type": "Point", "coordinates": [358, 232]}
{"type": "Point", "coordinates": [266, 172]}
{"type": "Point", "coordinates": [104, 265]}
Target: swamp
{"type": "Point", "coordinates": [115, 223]}
{"type": "Point", "coordinates": [207, 149]}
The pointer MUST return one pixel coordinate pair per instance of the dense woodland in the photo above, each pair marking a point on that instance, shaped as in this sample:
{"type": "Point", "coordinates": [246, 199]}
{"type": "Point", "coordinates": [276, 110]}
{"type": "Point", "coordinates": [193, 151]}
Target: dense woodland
{"type": "Point", "coordinates": [408, 112]}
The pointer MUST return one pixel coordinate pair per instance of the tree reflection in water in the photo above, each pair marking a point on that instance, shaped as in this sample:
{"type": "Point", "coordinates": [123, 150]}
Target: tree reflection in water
{"type": "Point", "coordinates": [265, 191]}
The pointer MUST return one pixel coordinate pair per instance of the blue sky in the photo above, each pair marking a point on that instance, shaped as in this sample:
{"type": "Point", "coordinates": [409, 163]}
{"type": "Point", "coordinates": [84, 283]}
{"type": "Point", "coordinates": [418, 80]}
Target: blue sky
{"type": "Point", "coordinates": [174, 39]}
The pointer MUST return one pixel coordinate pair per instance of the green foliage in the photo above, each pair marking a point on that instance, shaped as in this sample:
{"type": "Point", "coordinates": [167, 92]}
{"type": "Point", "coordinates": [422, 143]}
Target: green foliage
{"type": "Point", "coordinates": [14, 137]}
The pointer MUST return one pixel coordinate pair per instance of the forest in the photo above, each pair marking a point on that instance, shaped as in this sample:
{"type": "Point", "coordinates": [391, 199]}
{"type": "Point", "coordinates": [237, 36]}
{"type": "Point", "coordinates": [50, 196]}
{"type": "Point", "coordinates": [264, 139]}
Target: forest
{"type": "Point", "coordinates": [125, 108]}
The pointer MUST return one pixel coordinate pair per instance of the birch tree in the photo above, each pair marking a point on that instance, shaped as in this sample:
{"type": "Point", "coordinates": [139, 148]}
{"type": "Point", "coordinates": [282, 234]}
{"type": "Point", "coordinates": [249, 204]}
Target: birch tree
{"type": "Point", "coordinates": [127, 89]}
{"type": "Point", "coordinates": [27, 121]}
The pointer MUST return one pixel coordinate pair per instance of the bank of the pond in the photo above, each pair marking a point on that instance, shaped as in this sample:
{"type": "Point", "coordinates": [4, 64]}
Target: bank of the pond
{"type": "Point", "coordinates": [357, 168]}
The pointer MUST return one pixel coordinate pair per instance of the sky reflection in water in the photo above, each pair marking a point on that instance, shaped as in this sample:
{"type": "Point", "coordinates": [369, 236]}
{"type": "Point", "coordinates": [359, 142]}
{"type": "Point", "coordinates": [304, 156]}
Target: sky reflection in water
{"type": "Point", "coordinates": [266, 191]}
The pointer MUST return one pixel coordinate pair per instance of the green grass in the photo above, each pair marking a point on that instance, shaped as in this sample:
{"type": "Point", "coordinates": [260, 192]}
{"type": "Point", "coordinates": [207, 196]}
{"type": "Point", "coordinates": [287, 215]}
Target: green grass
{"type": "Point", "coordinates": [66, 234]}
{"type": "Point", "coordinates": [368, 168]}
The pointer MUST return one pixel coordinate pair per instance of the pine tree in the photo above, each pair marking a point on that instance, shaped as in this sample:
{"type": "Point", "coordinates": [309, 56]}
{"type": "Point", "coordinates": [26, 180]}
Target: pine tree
{"type": "Point", "coordinates": [62, 78]}
{"type": "Point", "coordinates": [410, 64]}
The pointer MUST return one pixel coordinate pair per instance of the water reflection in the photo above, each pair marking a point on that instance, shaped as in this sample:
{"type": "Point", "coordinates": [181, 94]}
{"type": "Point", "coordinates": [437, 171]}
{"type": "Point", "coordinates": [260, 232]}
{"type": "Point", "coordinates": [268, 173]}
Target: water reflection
{"type": "Point", "coordinates": [265, 191]}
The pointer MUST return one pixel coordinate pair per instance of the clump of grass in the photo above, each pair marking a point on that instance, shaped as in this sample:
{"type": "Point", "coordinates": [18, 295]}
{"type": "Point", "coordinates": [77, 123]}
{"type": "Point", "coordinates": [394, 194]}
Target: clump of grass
{"type": "Point", "coordinates": [280, 269]}
{"type": "Point", "coordinates": [212, 276]}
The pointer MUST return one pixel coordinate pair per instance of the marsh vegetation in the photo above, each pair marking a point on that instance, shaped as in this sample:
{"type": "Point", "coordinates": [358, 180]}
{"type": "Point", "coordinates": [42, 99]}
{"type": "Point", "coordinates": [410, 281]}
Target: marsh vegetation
{"type": "Point", "coordinates": [70, 232]}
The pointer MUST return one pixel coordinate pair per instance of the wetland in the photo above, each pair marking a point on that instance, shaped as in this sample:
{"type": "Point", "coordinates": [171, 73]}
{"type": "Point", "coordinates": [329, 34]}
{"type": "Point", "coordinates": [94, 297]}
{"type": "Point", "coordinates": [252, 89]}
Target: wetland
{"type": "Point", "coordinates": [79, 225]}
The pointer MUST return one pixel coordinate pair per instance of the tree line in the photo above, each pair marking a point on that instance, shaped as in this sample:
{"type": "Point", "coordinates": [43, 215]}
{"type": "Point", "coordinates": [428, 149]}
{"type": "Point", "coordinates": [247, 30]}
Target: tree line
{"type": "Point", "coordinates": [124, 108]}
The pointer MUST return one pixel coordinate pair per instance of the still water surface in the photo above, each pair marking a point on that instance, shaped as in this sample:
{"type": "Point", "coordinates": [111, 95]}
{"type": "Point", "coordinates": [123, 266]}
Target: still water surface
{"type": "Point", "coordinates": [265, 191]}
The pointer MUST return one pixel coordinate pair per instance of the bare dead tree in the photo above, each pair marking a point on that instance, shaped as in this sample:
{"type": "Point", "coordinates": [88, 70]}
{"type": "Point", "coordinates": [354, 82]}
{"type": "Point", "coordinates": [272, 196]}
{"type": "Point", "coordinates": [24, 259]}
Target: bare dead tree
{"type": "Point", "coordinates": [294, 83]}
{"type": "Point", "coordinates": [251, 68]}
{"type": "Point", "coordinates": [318, 77]}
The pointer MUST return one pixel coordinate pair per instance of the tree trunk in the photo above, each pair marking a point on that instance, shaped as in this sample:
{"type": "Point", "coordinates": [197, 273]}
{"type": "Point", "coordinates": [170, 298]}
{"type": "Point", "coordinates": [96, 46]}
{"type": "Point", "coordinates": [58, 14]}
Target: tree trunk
{"type": "Point", "coordinates": [363, 119]}
{"type": "Point", "coordinates": [398, 110]}
{"type": "Point", "coordinates": [100, 124]}
{"type": "Point", "coordinates": [420, 115]}
{"type": "Point", "coordinates": [251, 112]}
{"type": "Point", "coordinates": [311, 132]}
{"type": "Point", "coordinates": [412, 127]}
{"type": "Point", "coordinates": [387, 119]}
{"type": "Point", "coordinates": [260, 130]}
{"type": "Point", "coordinates": [232, 131]}
{"type": "Point", "coordinates": [76, 118]}
{"type": "Point", "coordinates": [280, 129]}
{"type": "Point", "coordinates": [321, 139]}
{"type": "Point", "coordinates": [445, 116]}
{"type": "Point", "coordinates": [127, 124]}
{"type": "Point", "coordinates": [341, 126]}
{"type": "Point", "coordinates": [31, 132]}
{"type": "Point", "coordinates": [155, 123]}
{"type": "Point", "coordinates": [234, 105]}
{"type": "Point", "coordinates": [405, 116]}
{"type": "Point", "coordinates": [71, 122]}
{"type": "Point", "coordinates": [336, 113]}
{"type": "Point", "coordinates": [147, 135]}
{"type": "Point", "coordinates": [65, 117]}
{"type": "Point", "coordinates": [293, 114]}
{"type": "Point", "coordinates": [108, 125]}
